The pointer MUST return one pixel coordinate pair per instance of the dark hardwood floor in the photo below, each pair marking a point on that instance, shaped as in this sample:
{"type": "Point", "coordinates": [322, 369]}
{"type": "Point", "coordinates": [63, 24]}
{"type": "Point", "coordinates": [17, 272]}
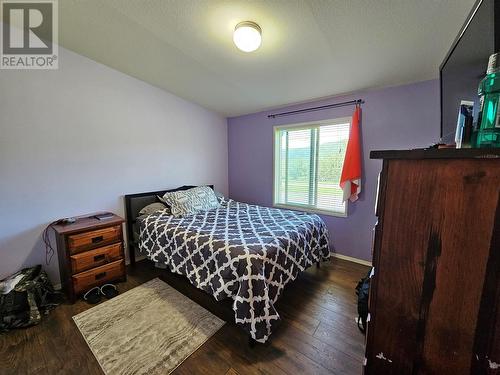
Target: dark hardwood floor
{"type": "Point", "coordinates": [318, 334]}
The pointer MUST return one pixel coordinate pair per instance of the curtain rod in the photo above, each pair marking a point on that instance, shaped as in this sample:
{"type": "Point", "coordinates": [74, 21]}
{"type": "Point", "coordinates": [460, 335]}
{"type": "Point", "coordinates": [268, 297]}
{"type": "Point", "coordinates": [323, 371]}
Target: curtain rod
{"type": "Point", "coordinates": [312, 109]}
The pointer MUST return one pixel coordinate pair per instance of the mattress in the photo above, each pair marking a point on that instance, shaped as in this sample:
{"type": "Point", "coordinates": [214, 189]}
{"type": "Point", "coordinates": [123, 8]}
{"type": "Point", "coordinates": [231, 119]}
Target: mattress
{"type": "Point", "coordinates": [239, 251]}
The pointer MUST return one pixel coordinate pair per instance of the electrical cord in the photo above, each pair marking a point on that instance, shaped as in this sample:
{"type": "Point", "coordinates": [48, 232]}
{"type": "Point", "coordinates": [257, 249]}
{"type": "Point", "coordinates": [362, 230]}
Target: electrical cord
{"type": "Point", "coordinates": [49, 250]}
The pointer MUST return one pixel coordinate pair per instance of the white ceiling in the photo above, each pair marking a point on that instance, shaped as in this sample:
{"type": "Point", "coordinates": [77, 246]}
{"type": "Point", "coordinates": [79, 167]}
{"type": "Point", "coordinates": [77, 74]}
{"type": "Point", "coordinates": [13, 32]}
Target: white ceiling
{"type": "Point", "coordinates": [310, 49]}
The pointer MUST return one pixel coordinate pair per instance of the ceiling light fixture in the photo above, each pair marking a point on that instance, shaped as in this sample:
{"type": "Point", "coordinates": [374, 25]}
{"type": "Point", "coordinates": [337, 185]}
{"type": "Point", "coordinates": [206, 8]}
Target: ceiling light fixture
{"type": "Point", "coordinates": [247, 36]}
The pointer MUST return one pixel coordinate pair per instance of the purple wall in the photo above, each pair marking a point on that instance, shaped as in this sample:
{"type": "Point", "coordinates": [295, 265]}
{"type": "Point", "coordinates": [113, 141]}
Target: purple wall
{"type": "Point", "coordinates": [393, 118]}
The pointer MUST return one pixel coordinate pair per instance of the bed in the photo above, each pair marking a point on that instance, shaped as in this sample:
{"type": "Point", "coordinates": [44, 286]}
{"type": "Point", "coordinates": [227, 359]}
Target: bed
{"type": "Point", "coordinates": [245, 252]}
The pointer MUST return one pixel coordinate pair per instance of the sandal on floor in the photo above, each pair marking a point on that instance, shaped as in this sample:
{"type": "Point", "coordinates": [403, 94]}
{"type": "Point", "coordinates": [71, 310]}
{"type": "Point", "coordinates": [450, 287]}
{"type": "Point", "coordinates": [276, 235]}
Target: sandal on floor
{"type": "Point", "coordinates": [109, 291]}
{"type": "Point", "coordinates": [93, 295]}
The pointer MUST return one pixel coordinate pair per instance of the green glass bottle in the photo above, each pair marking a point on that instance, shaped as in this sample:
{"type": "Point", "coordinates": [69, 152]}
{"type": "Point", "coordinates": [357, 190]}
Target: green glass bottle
{"type": "Point", "coordinates": [488, 134]}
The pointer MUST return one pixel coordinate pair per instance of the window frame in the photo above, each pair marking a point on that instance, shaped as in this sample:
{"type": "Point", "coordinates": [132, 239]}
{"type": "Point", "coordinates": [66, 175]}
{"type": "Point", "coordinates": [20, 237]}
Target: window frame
{"type": "Point", "coordinates": [301, 126]}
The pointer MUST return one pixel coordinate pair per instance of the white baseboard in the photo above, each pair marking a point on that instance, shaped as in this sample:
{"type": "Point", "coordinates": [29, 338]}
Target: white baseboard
{"type": "Point", "coordinates": [354, 260]}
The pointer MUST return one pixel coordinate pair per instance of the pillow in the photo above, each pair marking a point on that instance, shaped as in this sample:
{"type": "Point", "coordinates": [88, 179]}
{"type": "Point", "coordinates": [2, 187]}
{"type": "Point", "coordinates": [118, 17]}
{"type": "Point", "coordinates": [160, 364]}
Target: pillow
{"type": "Point", "coordinates": [220, 197]}
{"type": "Point", "coordinates": [187, 202]}
{"type": "Point", "coordinates": [150, 208]}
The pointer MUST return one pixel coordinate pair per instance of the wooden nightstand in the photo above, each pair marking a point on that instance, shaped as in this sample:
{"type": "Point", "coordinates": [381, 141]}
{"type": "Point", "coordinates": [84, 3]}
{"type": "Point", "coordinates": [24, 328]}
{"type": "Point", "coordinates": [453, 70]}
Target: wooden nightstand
{"type": "Point", "coordinates": [90, 253]}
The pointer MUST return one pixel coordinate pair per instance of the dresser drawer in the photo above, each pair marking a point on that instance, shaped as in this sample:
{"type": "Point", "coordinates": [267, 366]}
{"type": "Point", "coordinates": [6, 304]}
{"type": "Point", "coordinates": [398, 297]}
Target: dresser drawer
{"type": "Point", "coordinates": [92, 239]}
{"type": "Point", "coordinates": [95, 258]}
{"type": "Point", "coordinates": [98, 276]}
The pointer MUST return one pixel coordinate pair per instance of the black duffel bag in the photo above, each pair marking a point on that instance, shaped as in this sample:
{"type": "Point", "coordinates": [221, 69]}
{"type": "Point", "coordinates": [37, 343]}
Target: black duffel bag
{"type": "Point", "coordinates": [25, 297]}
{"type": "Point", "coordinates": [363, 291]}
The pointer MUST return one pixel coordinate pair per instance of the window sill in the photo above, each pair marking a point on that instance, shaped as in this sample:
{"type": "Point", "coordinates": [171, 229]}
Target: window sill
{"type": "Point", "coordinates": [310, 210]}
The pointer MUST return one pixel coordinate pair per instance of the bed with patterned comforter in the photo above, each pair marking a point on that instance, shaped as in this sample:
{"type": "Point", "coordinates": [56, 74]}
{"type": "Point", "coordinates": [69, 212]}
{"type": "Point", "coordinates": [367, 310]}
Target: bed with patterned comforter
{"type": "Point", "coordinates": [242, 251]}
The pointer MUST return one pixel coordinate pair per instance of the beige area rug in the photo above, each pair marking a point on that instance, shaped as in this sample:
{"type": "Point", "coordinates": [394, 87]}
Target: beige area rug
{"type": "Point", "coordinates": [150, 329]}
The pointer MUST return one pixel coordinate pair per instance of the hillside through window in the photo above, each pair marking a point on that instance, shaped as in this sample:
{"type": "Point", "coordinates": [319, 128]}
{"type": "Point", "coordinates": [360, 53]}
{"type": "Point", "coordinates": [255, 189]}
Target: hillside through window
{"type": "Point", "coordinates": [308, 164]}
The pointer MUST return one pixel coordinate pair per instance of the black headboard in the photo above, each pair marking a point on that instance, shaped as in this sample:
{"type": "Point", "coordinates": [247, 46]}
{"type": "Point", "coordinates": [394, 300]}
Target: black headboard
{"type": "Point", "coordinates": [136, 202]}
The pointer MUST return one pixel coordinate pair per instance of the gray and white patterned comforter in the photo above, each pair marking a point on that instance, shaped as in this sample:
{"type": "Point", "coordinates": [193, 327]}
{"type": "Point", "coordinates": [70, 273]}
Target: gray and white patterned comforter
{"type": "Point", "coordinates": [242, 251]}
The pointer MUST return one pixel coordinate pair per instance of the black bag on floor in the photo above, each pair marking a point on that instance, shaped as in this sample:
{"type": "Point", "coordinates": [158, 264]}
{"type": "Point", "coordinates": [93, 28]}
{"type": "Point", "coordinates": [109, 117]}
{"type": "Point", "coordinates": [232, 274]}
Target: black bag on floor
{"type": "Point", "coordinates": [24, 297]}
{"type": "Point", "coordinates": [362, 291]}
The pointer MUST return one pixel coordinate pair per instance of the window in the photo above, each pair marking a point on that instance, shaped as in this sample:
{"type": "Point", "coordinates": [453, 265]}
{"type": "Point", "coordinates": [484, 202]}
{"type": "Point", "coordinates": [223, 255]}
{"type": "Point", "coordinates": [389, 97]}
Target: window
{"type": "Point", "coordinates": [308, 164]}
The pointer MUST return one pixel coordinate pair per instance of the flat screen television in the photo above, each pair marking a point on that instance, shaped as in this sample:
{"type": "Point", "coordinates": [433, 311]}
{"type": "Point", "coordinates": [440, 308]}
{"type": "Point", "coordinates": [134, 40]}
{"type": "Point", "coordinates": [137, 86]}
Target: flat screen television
{"type": "Point", "coordinates": [465, 64]}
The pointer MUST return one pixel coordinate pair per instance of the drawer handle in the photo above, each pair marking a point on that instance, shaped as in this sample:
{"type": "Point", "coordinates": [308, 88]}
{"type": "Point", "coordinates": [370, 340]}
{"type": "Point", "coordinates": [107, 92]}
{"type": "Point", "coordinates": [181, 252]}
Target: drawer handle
{"type": "Point", "coordinates": [100, 275]}
{"type": "Point", "coordinates": [99, 257]}
{"type": "Point", "coordinates": [97, 239]}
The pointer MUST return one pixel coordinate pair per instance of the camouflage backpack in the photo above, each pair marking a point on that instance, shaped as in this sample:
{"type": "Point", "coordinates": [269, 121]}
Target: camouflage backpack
{"type": "Point", "coordinates": [31, 296]}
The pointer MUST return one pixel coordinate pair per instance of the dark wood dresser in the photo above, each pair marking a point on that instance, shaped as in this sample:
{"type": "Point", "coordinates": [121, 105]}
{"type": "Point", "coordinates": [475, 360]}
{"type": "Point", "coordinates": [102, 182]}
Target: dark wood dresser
{"type": "Point", "coordinates": [90, 253]}
{"type": "Point", "coordinates": [435, 294]}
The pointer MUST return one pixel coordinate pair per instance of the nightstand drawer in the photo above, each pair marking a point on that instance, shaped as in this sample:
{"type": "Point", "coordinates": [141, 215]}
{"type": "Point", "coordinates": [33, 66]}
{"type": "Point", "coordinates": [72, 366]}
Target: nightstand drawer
{"type": "Point", "coordinates": [98, 276]}
{"type": "Point", "coordinates": [95, 258]}
{"type": "Point", "coordinates": [90, 240]}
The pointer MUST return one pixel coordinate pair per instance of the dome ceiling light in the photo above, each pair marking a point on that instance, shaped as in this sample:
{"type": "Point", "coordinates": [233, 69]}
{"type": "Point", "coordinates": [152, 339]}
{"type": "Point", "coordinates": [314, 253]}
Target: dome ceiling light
{"type": "Point", "coordinates": [247, 36]}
